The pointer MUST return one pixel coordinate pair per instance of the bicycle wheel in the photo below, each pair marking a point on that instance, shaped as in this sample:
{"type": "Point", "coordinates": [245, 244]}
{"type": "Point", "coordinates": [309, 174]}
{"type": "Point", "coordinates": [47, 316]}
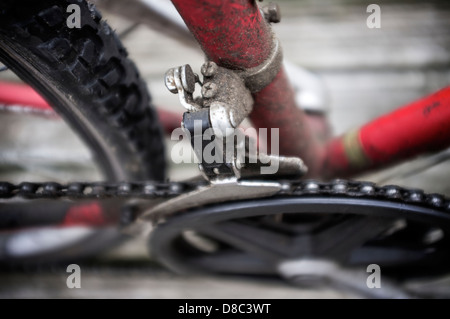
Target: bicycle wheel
{"type": "Point", "coordinates": [84, 73]}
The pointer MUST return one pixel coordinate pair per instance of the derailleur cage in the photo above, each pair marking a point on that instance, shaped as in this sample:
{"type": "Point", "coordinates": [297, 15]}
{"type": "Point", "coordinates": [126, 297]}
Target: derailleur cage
{"type": "Point", "coordinates": [215, 118]}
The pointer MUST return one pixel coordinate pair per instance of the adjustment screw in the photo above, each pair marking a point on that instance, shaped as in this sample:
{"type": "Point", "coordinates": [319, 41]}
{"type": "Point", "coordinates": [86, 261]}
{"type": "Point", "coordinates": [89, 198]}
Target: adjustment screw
{"type": "Point", "coordinates": [169, 81]}
{"type": "Point", "coordinates": [209, 90]}
{"type": "Point", "coordinates": [272, 12]}
{"type": "Point", "coordinates": [209, 69]}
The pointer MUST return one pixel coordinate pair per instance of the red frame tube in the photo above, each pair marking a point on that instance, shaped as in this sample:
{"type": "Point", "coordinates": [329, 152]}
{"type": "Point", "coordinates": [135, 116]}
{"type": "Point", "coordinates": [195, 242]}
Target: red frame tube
{"type": "Point", "coordinates": [420, 127]}
{"type": "Point", "coordinates": [21, 94]}
{"type": "Point", "coordinates": [232, 33]}
{"type": "Point", "coordinates": [275, 107]}
{"type": "Point", "coordinates": [18, 94]}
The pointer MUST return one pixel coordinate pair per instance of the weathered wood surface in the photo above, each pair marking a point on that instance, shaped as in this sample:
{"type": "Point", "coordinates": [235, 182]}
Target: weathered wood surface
{"type": "Point", "coordinates": [367, 72]}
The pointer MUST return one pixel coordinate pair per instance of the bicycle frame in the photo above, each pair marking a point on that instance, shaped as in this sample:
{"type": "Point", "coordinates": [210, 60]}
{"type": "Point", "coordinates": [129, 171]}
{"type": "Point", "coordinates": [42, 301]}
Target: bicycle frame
{"type": "Point", "coordinates": [22, 97]}
{"type": "Point", "coordinates": [234, 34]}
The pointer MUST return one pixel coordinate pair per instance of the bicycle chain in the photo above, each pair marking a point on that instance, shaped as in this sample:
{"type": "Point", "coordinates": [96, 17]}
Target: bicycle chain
{"type": "Point", "coordinates": [371, 191]}
{"type": "Point", "coordinates": [94, 190]}
{"type": "Point", "coordinates": [154, 190]}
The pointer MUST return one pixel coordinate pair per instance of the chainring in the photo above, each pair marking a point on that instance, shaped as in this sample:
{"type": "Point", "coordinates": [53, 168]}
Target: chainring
{"type": "Point", "coordinates": [404, 231]}
{"type": "Point", "coordinates": [405, 237]}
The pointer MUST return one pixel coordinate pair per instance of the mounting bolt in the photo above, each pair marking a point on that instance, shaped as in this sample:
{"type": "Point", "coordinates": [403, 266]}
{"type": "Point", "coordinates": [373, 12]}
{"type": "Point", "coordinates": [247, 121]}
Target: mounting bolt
{"type": "Point", "coordinates": [209, 69]}
{"type": "Point", "coordinates": [272, 12]}
{"type": "Point", "coordinates": [169, 81]}
{"type": "Point", "coordinates": [209, 90]}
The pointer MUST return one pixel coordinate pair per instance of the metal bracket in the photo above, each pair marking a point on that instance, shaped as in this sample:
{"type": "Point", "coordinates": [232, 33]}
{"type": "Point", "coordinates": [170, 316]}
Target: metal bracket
{"type": "Point", "coordinates": [242, 160]}
{"type": "Point", "coordinates": [226, 101]}
{"type": "Point", "coordinates": [225, 94]}
{"type": "Point", "coordinates": [259, 77]}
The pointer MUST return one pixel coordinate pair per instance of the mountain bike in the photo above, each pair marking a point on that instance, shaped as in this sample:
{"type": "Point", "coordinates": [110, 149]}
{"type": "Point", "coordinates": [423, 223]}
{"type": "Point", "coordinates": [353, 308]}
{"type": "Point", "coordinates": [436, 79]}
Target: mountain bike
{"type": "Point", "coordinates": [282, 210]}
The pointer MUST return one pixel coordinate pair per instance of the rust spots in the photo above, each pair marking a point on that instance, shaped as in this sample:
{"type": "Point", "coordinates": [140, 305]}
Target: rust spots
{"type": "Point", "coordinates": [430, 108]}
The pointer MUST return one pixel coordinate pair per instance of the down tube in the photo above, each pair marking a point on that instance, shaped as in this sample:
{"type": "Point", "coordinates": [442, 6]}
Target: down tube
{"type": "Point", "coordinates": [421, 127]}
